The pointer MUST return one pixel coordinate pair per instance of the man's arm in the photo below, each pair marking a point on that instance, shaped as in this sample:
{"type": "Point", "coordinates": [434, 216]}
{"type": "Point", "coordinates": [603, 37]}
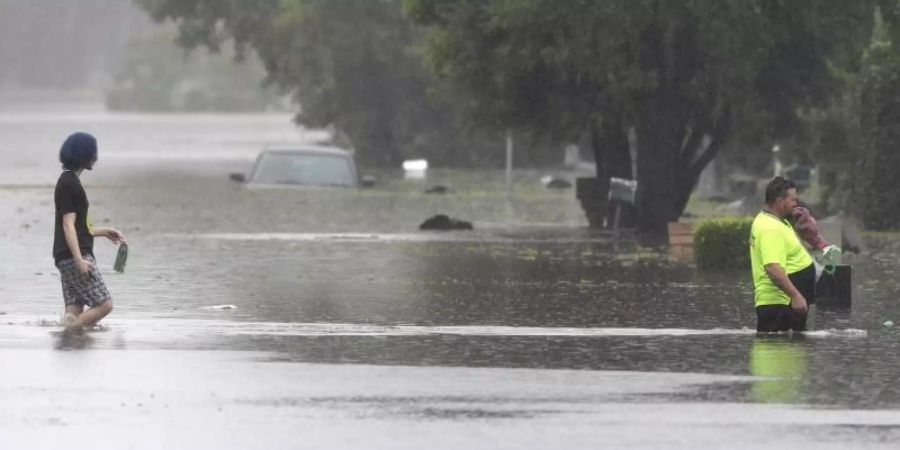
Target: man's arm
{"type": "Point", "coordinates": [778, 276]}
{"type": "Point", "coordinates": [68, 226]}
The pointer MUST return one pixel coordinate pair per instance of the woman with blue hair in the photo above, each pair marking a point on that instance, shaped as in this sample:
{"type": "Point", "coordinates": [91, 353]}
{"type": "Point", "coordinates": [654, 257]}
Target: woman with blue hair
{"type": "Point", "coordinates": [73, 240]}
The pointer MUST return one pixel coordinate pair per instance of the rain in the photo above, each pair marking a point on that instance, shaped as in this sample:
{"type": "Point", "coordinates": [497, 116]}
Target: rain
{"type": "Point", "coordinates": [423, 224]}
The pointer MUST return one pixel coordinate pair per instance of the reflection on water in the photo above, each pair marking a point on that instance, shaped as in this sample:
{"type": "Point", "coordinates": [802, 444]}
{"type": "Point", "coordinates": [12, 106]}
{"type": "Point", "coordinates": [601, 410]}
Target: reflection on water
{"type": "Point", "coordinates": [73, 341]}
{"type": "Point", "coordinates": [782, 363]}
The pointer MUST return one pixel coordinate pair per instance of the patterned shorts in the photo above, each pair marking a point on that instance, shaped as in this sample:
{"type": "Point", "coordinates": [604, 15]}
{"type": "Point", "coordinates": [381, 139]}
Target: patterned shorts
{"type": "Point", "coordinates": [79, 289]}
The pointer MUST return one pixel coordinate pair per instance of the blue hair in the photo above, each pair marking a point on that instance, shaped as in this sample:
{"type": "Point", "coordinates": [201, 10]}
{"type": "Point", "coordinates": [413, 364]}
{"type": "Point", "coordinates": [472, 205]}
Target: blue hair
{"type": "Point", "coordinates": [79, 151]}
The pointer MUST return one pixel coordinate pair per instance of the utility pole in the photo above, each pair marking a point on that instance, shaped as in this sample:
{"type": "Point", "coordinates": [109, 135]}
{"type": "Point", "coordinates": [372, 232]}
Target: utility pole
{"type": "Point", "coordinates": [509, 159]}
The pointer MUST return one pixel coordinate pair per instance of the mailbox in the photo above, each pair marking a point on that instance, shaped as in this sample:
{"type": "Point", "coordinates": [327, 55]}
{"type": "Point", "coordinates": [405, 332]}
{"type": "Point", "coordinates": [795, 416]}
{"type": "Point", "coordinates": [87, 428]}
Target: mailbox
{"type": "Point", "coordinates": [622, 190]}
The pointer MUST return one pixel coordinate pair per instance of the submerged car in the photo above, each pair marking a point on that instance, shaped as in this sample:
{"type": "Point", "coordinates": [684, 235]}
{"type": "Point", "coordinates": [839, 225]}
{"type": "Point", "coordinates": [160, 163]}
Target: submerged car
{"type": "Point", "coordinates": [308, 165]}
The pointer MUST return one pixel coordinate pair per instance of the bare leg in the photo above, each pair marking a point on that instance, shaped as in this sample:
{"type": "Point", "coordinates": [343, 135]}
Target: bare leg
{"type": "Point", "coordinates": [71, 315]}
{"type": "Point", "coordinates": [93, 315]}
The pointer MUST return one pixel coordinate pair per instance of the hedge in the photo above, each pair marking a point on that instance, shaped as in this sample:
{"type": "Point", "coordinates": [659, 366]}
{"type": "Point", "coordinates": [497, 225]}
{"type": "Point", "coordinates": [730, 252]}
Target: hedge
{"type": "Point", "coordinates": [722, 243]}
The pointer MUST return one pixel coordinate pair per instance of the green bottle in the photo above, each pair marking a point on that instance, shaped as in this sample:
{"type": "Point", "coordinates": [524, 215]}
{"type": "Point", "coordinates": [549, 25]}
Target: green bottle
{"type": "Point", "coordinates": [121, 257]}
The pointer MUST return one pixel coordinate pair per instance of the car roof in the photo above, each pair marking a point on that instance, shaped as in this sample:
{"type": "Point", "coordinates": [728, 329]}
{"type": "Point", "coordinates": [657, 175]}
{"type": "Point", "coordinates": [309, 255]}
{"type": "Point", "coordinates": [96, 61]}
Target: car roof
{"type": "Point", "coordinates": [308, 149]}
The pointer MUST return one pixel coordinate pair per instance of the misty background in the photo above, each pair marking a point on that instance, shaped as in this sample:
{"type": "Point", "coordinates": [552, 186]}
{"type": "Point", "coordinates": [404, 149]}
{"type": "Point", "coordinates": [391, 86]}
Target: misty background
{"type": "Point", "coordinates": [111, 53]}
{"type": "Point", "coordinates": [66, 46]}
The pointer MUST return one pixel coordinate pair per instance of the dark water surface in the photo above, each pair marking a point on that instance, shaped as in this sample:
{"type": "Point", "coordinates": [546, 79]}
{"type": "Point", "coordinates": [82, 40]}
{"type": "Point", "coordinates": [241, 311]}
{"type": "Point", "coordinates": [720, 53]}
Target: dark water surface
{"type": "Point", "coordinates": [329, 285]}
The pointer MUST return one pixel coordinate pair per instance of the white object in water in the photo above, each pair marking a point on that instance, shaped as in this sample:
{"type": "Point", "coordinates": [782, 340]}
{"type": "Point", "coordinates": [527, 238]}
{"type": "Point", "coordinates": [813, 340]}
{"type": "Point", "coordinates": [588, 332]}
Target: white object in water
{"type": "Point", "coordinates": [415, 164]}
{"type": "Point", "coordinates": [415, 169]}
{"type": "Point", "coordinates": [221, 307]}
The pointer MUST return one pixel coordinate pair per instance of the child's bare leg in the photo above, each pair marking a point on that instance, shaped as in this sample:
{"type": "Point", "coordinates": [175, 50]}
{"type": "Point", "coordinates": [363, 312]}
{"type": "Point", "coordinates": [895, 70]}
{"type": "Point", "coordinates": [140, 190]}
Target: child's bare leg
{"type": "Point", "coordinates": [93, 315]}
{"type": "Point", "coordinates": [71, 315]}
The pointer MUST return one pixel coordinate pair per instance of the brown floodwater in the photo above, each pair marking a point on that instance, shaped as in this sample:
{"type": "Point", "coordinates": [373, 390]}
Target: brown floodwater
{"type": "Point", "coordinates": [332, 284]}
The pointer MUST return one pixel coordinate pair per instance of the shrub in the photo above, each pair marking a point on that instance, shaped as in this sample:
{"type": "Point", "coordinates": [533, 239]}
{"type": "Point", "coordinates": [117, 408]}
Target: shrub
{"type": "Point", "coordinates": [879, 195]}
{"type": "Point", "coordinates": [722, 243]}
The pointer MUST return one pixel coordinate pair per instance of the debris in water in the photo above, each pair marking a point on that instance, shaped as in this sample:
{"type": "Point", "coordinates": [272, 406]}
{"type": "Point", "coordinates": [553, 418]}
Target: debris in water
{"type": "Point", "coordinates": [443, 222]}
{"type": "Point", "coordinates": [220, 307]}
{"type": "Point", "coordinates": [888, 323]}
{"type": "Point", "coordinates": [552, 182]}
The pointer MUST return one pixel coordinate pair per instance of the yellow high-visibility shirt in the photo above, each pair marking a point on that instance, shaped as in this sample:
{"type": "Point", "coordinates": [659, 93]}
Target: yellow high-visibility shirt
{"type": "Point", "coordinates": [773, 240]}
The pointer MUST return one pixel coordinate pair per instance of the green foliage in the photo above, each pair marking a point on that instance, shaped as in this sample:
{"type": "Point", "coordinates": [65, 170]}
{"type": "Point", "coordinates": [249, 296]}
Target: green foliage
{"type": "Point", "coordinates": [880, 163]}
{"type": "Point", "coordinates": [353, 65]}
{"type": "Point", "coordinates": [833, 137]}
{"type": "Point", "coordinates": [408, 78]}
{"type": "Point", "coordinates": [678, 74]}
{"type": "Point", "coordinates": [722, 243]}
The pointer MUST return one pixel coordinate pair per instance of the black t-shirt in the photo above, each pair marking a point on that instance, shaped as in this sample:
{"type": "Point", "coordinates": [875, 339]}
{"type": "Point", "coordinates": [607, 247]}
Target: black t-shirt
{"type": "Point", "coordinates": [70, 197]}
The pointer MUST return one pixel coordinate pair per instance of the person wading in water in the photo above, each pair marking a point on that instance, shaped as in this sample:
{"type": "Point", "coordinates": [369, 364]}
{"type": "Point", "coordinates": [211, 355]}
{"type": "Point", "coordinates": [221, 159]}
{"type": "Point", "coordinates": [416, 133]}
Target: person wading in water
{"type": "Point", "coordinates": [73, 239]}
{"type": "Point", "coordinates": [784, 276]}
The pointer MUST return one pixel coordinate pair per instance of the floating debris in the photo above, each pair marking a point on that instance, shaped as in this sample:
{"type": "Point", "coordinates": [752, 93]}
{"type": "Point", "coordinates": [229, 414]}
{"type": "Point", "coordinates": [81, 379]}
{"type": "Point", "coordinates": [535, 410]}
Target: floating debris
{"type": "Point", "coordinates": [443, 222]}
{"type": "Point", "coordinates": [220, 307]}
{"type": "Point", "coordinates": [553, 182]}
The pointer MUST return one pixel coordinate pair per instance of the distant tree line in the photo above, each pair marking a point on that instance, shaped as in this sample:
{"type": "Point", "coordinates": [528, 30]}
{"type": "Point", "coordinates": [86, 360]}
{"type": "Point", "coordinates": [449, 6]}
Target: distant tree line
{"type": "Point", "coordinates": [655, 85]}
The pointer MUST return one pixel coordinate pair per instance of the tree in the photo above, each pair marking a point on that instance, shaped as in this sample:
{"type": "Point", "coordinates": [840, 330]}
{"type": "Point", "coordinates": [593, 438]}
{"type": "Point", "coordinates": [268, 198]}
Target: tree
{"type": "Point", "coordinates": [880, 122]}
{"type": "Point", "coordinates": [683, 77]}
{"type": "Point", "coordinates": [354, 65]}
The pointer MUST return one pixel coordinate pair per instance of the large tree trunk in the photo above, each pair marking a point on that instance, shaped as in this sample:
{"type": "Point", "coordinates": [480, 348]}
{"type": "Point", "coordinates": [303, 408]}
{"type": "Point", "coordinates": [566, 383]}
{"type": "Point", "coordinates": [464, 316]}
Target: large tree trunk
{"type": "Point", "coordinates": [677, 136]}
{"type": "Point", "coordinates": [660, 133]}
{"type": "Point", "coordinates": [673, 149]}
{"type": "Point", "coordinates": [609, 139]}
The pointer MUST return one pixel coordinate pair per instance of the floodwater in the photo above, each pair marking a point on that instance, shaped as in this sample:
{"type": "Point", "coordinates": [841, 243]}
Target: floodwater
{"type": "Point", "coordinates": [325, 319]}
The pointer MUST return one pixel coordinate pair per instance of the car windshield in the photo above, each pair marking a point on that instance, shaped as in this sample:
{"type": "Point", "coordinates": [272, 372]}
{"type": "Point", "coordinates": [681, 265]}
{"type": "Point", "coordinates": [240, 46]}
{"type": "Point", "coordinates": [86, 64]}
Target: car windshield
{"type": "Point", "coordinates": [303, 169]}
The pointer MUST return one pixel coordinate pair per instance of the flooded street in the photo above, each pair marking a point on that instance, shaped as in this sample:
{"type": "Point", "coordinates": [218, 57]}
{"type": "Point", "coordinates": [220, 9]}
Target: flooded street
{"type": "Point", "coordinates": [324, 319]}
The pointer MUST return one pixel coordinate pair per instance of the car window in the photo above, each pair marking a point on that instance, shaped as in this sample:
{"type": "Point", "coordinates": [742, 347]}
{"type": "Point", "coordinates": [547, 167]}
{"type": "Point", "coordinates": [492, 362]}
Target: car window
{"type": "Point", "coordinates": [303, 169]}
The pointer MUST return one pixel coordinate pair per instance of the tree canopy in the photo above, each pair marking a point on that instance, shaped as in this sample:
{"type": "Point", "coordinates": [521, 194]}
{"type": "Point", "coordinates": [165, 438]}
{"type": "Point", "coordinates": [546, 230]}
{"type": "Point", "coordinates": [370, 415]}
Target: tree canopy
{"type": "Point", "coordinates": [684, 77]}
{"type": "Point", "coordinates": [659, 87]}
{"type": "Point", "coordinates": [355, 65]}
{"type": "Point", "coordinates": [879, 162]}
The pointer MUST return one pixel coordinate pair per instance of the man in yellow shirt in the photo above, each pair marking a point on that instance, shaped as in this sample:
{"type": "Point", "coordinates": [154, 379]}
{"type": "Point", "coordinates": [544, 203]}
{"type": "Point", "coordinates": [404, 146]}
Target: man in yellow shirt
{"type": "Point", "coordinates": [784, 276]}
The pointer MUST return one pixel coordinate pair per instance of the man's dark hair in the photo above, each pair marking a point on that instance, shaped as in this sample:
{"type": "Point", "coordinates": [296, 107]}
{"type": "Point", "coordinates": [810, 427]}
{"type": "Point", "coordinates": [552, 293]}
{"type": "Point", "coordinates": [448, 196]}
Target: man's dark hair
{"type": "Point", "coordinates": [79, 151]}
{"type": "Point", "coordinates": [778, 188]}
